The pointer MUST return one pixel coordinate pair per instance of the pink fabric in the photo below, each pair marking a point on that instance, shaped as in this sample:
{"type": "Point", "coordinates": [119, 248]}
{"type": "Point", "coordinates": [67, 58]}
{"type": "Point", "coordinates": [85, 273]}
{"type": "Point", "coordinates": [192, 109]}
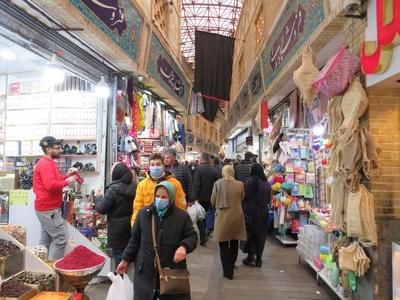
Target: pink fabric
{"type": "Point", "coordinates": [337, 74]}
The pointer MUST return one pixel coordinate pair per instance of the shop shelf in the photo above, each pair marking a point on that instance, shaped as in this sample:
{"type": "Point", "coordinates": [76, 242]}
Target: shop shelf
{"type": "Point", "coordinates": [286, 240]}
{"type": "Point", "coordinates": [325, 279]}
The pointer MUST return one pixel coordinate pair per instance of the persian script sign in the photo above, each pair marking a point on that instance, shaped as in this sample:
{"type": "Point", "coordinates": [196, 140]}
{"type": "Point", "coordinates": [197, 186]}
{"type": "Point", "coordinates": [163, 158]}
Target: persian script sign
{"type": "Point", "coordinates": [170, 77]}
{"type": "Point", "coordinates": [288, 37]}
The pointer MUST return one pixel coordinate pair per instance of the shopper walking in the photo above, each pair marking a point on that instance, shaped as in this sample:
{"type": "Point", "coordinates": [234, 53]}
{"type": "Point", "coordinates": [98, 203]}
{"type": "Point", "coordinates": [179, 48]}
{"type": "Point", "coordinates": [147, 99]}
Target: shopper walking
{"type": "Point", "coordinates": [229, 227]}
{"type": "Point", "coordinates": [175, 238]}
{"type": "Point", "coordinates": [117, 205]}
{"type": "Point", "coordinates": [216, 164]}
{"type": "Point", "coordinates": [48, 184]}
{"type": "Point", "coordinates": [256, 208]}
{"type": "Point", "coordinates": [242, 169]}
{"type": "Point", "coordinates": [204, 179]}
{"type": "Point", "coordinates": [145, 189]}
{"type": "Point", "coordinates": [180, 172]}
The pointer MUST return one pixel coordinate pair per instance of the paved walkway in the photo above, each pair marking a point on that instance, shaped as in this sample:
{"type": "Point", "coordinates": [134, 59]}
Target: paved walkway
{"type": "Point", "coordinates": [281, 277]}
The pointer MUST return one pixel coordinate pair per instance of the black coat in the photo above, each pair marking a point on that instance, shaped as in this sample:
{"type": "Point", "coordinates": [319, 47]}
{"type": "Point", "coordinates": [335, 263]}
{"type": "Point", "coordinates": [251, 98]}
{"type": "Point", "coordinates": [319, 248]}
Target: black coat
{"type": "Point", "coordinates": [175, 229]}
{"type": "Point", "coordinates": [117, 204]}
{"type": "Point", "coordinates": [204, 178]}
{"type": "Point", "coordinates": [182, 173]}
{"type": "Point", "coordinates": [242, 170]}
{"type": "Point", "coordinates": [257, 198]}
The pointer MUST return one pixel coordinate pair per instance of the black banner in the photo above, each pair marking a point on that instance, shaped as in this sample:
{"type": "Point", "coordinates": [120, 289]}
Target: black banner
{"type": "Point", "coordinates": [213, 69]}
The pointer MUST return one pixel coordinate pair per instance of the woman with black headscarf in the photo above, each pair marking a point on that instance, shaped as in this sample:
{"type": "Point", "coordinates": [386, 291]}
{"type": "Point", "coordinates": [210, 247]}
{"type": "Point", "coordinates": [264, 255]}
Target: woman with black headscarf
{"type": "Point", "coordinates": [117, 204]}
{"type": "Point", "coordinates": [256, 207]}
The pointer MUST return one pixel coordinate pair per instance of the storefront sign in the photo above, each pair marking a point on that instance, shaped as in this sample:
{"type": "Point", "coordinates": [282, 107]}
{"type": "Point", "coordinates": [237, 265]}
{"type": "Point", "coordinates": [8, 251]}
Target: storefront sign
{"type": "Point", "coordinates": [249, 141]}
{"type": "Point", "coordinates": [118, 19]}
{"type": "Point", "coordinates": [19, 197]}
{"type": "Point", "coordinates": [297, 23]}
{"type": "Point", "coordinates": [163, 69]}
{"type": "Point", "coordinates": [384, 19]}
{"type": "Point", "coordinates": [244, 100]}
{"type": "Point", "coordinates": [288, 37]}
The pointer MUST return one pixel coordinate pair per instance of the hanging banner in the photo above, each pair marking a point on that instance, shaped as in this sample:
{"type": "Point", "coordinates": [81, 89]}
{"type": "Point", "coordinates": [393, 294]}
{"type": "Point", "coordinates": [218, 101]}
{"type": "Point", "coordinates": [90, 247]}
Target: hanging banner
{"type": "Point", "coordinates": [117, 19]}
{"type": "Point", "coordinates": [297, 23]}
{"type": "Point", "coordinates": [165, 71]}
{"type": "Point", "coordinates": [256, 83]}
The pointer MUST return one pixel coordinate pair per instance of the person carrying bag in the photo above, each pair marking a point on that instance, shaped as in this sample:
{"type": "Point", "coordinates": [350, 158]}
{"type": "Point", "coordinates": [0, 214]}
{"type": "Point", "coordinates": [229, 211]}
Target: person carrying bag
{"type": "Point", "coordinates": [162, 236]}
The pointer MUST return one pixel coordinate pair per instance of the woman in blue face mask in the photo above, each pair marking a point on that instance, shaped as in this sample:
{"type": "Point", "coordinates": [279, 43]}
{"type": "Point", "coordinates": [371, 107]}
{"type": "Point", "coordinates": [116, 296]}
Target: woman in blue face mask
{"type": "Point", "coordinates": [175, 237]}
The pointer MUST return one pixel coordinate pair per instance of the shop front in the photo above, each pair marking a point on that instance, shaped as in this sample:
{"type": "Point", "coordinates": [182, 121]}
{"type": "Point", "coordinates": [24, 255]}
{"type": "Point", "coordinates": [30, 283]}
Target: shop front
{"type": "Point", "coordinates": [322, 161]}
{"type": "Point", "coordinates": [50, 86]}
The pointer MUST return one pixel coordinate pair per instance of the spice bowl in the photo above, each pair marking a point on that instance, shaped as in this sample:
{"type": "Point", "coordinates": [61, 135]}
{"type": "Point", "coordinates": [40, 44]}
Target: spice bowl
{"type": "Point", "coordinates": [80, 278]}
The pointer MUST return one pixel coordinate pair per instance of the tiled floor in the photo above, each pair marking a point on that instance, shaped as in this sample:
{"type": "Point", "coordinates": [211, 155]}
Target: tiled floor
{"type": "Point", "coordinates": [281, 277]}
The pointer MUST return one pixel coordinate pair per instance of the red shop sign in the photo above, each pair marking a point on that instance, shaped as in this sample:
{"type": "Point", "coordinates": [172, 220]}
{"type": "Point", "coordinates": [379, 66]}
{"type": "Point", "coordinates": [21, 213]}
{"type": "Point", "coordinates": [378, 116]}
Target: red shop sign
{"type": "Point", "coordinates": [376, 55]}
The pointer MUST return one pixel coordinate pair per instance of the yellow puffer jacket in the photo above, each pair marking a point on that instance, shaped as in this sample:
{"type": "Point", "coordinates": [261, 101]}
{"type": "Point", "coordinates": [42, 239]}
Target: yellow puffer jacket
{"type": "Point", "coordinates": [145, 194]}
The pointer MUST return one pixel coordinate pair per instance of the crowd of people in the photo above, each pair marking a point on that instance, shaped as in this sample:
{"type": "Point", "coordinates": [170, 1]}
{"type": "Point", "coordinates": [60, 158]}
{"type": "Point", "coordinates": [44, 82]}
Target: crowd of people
{"type": "Point", "coordinates": [234, 195]}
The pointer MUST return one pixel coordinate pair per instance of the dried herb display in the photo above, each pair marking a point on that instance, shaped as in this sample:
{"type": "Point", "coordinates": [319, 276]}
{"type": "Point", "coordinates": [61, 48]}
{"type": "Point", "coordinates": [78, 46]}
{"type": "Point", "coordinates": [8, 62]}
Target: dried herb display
{"type": "Point", "coordinates": [13, 288]}
{"type": "Point", "coordinates": [45, 282]}
{"type": "Point", "coordinates": [7, 248]}
{"type": "Point", "coordinates": [80, 258]}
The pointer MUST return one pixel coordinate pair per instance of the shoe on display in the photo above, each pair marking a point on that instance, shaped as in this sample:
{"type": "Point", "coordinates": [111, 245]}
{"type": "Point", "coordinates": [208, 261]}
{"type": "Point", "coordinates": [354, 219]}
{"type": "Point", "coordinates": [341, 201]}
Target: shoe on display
{"type": "Point", "coordinates": [78, 147]}
{"type": "Point", "coordinates": [66, 149]}
{"type": "Point", "coordinates": [78, 165]}
{"type": "Point", "coordinates": [89, 167]}
{"type": "Point", "coordinates": [94, 149]}
{"type": "Point", "coordinates": [88, 149]}
{"type": "Point", "coordinates": [73, 150]}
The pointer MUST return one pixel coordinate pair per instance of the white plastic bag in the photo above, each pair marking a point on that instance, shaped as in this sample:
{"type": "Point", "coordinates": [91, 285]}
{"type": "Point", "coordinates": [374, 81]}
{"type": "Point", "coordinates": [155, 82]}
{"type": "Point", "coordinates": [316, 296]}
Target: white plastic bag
{"type": "Point", "coordinates": [121, 287]}
{"type": "Point", "coordinates": [192, 211]}
{"type": "Point", "coordinates": [201, 213]}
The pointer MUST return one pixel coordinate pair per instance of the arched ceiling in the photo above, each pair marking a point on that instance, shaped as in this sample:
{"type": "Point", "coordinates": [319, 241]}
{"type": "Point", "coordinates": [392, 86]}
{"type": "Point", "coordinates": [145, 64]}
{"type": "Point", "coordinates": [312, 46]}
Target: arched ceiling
{"type": "Point", "coordinates": [216, 16]}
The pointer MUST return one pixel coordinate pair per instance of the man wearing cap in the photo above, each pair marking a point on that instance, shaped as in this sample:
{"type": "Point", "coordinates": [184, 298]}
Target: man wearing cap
{"type": "Point", "coordinates": [242, 169]}
{"type": "Point", "coordinates": [48, 184]}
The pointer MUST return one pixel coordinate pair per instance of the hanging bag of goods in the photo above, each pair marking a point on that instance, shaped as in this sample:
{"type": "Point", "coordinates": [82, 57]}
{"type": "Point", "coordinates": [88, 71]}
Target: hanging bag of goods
{"type": "Point", "coordinates": [304, 77]}
{"type": "Point", "coordinates": [337, 73]}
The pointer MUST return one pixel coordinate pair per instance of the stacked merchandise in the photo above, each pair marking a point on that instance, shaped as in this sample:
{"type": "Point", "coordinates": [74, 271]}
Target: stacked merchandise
{"type": "Point", "coordinates": [293, 183]}
{"type": "Point", "coordinates": [350, 157]}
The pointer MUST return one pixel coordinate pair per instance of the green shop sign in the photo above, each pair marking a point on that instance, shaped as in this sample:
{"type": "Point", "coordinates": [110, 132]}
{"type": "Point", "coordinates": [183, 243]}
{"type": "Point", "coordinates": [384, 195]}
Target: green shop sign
{"type": "Point", "coordinates": [297, 23]}
{"type": "Point", "coordinates": [163, 69]}
{"type": "Point", "coordinates": [117, 19]}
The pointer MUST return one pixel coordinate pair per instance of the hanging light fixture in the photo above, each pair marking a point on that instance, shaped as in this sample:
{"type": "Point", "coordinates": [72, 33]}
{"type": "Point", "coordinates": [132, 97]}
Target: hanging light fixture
{"type": "Point", "coordinates": [102, 90]}
{"type": "Point", "coordinates": [54, 73]}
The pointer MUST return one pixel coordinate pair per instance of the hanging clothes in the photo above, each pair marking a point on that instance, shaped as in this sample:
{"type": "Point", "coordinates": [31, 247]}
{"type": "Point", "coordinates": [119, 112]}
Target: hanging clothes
{"type": "Point", "coordinates": [196, 104]}
{"type": "Point", "coordinates": [134, 114]}
{"type": "Point", "coordinates": [140, 113]}
{"type": "Point", "coordinates": [181, 135]}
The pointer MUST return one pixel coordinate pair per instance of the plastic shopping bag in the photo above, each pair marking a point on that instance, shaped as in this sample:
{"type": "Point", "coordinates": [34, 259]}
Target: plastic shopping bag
{"type": "Point", "coordinates": [201, 213]}
{"type": "Point", "coordinates": [121, 287]}
{"type": "Point", "coordinates": [192, 211]}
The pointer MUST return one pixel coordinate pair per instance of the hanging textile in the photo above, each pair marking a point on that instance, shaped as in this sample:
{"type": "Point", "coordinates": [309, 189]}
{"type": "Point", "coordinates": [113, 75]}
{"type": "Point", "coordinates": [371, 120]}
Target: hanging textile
{"type": "Point", "coordinates": [134, 115]}
{"type": "Point", "coordinates": [140, 113]}
{"type": "Point", "coordinates": [196, 104]}
{"type": "Point", "coordinates": [261, 120]}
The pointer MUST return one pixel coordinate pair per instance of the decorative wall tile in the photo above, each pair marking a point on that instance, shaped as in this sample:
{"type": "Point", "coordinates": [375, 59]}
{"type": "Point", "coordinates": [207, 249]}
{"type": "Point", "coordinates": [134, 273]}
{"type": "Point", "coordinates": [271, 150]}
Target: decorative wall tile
{"type": "Point", "coordinates": [163, 69]}
{"type": "Point", "coordinates": [118, 19]}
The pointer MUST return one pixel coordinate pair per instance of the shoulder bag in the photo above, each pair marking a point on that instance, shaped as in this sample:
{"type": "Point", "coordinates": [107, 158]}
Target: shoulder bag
{"type": "Point", "coordinates": [172, 281]}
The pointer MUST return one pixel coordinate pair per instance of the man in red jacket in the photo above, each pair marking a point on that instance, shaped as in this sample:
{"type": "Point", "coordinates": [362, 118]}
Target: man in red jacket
{"type": "Point", "coordinates": [48, 184]}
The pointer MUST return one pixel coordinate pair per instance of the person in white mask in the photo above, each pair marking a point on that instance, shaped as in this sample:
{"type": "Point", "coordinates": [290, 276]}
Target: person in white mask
{"type": "Point", "coordinates": [145, 190]}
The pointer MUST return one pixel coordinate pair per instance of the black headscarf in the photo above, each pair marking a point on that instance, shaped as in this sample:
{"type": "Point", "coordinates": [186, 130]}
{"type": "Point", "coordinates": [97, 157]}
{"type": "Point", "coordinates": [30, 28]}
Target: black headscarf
{"type": "Point", "coordinates": [258, 171]}
{"type": "Point", "coordinates": [121, 173]}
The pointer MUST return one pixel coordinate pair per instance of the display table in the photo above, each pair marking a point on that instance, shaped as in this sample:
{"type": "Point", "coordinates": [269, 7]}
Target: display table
{"type": "Point", "coordinates": [25, 215]}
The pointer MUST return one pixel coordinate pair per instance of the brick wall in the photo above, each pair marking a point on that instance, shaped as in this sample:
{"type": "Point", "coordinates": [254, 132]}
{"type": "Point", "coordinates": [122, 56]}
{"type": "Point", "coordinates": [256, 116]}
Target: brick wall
{"type": "Point", "coordinates": [384, 122]}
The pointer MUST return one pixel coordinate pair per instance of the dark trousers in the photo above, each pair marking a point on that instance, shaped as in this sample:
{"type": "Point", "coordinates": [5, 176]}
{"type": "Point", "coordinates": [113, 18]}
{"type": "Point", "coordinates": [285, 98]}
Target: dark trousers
{"type": "Point", "coordinates": [228, 251]}
{"type": "Point", "coordinates": [256, 243]}
{"type": "Point", "coordinates": [117, 254]}
{"type": "Point", "coordinates": [201, 224]}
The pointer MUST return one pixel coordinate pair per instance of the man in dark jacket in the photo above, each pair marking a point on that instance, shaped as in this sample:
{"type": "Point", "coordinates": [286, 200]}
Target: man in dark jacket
{"type": "Point", "coordinates": [180, 172]}
{"type": "Point", "coordinates": [204, 179]}
{"type": "Point", "coordinates": [117, 203]}
{"type": "Point", "coordinates": [242, 169]}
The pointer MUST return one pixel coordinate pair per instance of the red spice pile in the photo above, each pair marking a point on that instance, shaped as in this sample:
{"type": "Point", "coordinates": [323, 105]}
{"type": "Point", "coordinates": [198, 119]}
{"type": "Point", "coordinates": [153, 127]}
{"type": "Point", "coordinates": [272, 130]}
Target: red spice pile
{"type": "Point", "coordinates": [80, 258]}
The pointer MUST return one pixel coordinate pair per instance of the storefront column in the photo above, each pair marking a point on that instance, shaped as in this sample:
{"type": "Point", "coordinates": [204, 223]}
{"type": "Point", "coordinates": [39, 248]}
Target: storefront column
{"type": "Point", "coordinates": [384, 123]}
